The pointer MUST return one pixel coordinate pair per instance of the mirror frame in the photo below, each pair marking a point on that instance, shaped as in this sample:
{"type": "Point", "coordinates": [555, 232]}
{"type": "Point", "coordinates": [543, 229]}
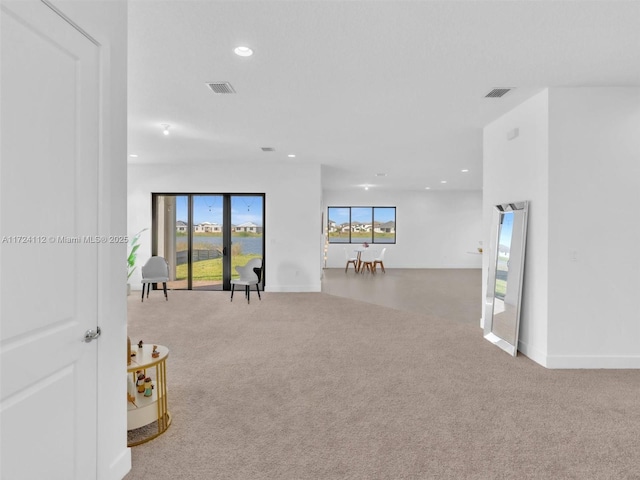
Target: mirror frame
{"type": "Point", "coordinates": [498, 213]}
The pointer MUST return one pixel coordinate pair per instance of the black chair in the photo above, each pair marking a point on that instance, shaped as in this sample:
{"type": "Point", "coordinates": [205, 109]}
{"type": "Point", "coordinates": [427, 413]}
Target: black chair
{"type": "Point", "coordinates": [250, 274]}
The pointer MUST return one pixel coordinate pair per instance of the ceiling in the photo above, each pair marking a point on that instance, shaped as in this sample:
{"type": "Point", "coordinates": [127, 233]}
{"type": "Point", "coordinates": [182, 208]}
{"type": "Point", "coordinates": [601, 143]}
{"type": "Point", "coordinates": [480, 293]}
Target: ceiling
{"type": "Point", "coordinates": [359, 87]}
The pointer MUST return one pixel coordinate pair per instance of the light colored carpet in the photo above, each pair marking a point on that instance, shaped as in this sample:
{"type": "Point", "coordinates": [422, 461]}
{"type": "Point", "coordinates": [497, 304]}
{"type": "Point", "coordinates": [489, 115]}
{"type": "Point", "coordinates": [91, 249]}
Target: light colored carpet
{"type": "Point", "coordinates": [315, 386]}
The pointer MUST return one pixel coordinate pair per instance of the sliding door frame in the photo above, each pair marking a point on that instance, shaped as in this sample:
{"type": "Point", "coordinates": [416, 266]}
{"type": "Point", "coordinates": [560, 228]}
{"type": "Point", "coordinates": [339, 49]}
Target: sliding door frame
{"type": "Point", "coordinates": [226, 241]}
{"type": "Point", "coordinates": [227, 232]}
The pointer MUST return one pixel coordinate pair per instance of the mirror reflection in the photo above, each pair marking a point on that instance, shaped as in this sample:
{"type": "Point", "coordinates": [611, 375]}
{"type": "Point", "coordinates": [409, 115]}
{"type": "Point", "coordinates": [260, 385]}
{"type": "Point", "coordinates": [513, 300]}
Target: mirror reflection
{"type": "Point", "coordinates": [502, 315]}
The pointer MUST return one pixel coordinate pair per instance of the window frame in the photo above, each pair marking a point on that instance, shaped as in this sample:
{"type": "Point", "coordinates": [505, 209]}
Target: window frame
{"type": "Point", "coordinates": [373, 221]}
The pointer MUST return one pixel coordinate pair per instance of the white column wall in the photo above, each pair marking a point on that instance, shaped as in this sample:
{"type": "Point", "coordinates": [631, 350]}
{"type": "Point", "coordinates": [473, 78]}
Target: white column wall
{"type": "Point", "coordinates": [577, 160]}
{"type": "Point", "coordinates": [292, 212]}
{"type": "Point", "coordinates": [434, 229]}
{"type": "Point", "coordinates": [516, 170]}
{"type": "Point", "coordinates": [594, 235]}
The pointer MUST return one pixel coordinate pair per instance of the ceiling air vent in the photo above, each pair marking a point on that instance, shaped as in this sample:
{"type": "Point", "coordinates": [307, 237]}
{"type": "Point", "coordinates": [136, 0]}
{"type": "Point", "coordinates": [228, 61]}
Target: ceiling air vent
{"type": "Point", "coordinates": [497, 92]}
{"type": "Point", "coordinates": [268, 149]}
{"type": "Point", "coordinates": [221, 87]}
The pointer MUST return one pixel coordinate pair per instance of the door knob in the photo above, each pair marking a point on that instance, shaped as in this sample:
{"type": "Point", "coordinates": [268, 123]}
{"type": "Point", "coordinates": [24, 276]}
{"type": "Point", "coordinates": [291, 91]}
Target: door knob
{"type": "Point", "coordinates": [90, 335]}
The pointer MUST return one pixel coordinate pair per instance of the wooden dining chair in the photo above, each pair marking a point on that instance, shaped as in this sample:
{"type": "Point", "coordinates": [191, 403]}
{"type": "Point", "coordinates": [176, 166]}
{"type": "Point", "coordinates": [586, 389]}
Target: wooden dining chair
{"type": "Point", "coordinates": [366, 261]}
{"type": "Point", "coordinates": [350, 259]}
{"type": "Point", "coordinates": [380, 260]}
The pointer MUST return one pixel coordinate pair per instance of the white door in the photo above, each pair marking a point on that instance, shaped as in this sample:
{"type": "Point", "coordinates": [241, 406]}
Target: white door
{"type": "Point", "coordinates": [48, 265]}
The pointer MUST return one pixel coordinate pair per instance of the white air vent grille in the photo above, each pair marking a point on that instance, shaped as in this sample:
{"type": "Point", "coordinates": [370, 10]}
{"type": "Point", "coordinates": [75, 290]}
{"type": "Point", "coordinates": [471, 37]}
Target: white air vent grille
{"type": "Point", "coordinates": [221, 87]}
{"type": "Point", "coordinates": [268, 149]}
{"type": "Point", "coordinates": [497, 92]}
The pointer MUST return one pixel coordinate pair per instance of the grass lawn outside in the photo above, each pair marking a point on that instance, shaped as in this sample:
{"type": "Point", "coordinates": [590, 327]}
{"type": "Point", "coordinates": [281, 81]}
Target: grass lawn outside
{"type": "Point", "coordinates": [361, 236]}
{"type": "Point", "coordinates": [212, 269]}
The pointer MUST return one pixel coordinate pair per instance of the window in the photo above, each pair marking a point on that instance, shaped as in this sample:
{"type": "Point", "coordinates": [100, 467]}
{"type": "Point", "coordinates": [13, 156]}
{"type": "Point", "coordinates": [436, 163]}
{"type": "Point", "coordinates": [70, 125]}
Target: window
{"type": "Point", "coordinates": [362, 224]}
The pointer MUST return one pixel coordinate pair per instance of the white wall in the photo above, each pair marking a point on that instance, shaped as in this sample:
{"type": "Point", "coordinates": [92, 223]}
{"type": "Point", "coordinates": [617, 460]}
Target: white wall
{"type": "Point", "coordinates": [577, 160]}
{"type": "Point", "coordinates": [516, 170]}
{"type": "Point", "coordinates": [292, 212]}
{"type": "Point", "coordinates": [594, 233]}
{"type": "Point", "coordinates": [106, 21]}
{"type": "Point", "coordinates": [434, 229]}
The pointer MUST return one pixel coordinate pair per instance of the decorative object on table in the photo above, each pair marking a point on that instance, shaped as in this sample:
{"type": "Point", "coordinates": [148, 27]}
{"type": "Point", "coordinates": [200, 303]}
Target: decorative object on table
{"type": "Point", "coordinates": [148, 388]}
{"type": "Point", "coordinates": [128, 350]}
{"type": "Point", "coordinates": [140, 382]}
{"type": "Point", "coordinates": [131, 390]}
{"type": "Point", "coordinates": [365, 245]}
{"type": "Point", "coordinates": [155, 353]}
{"type": "Point", "coordinates": [140, 344]}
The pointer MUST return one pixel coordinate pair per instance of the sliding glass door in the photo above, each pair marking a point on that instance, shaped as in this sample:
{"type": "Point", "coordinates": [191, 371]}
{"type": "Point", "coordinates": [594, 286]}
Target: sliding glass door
{"type": "Point", "coordinates": [205, 236]}
{"type": "Point", "coordinates": [247, 232]}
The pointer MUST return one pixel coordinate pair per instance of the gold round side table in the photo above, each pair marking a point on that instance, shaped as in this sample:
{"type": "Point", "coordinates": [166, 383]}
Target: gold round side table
{"type": "Point", "coordinates": [147, 415]}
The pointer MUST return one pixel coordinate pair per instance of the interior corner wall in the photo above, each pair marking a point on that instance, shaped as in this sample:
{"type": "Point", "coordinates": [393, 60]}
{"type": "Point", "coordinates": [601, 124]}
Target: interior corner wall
{"type": "Point", "coordinates": [594, 234]}
{"type": "Point", "coordinates": [434, 229]}
{"type": "Point", "coordinates": [514, 170]}
{"type": "Point", "coordinates": [292, 221]}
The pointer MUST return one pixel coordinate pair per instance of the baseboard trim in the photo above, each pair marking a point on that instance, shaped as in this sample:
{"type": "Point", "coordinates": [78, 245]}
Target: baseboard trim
{"type": "Point", "coordinates": [574, 362]}
{"type": "Point", "coordinates": [533, 354]}
{"type": "Point", "coordinates": [617, 362]}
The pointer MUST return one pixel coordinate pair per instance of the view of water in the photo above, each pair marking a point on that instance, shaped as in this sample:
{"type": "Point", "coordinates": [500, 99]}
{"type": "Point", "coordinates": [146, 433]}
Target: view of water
{"type": "Point", "coordinates": [249, 244]}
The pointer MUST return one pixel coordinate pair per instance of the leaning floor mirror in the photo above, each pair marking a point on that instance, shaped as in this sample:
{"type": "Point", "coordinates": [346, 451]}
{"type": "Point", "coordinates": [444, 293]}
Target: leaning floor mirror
{"type": "Point", "coordinates": [504, 279]}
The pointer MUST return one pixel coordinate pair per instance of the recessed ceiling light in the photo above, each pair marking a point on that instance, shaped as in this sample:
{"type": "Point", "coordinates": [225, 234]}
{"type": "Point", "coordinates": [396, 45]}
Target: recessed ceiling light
{"type": "Point", "coordinates": [291, 155]}
{"type": "Point", "coordinates": [465, 170]}
{"type": "Point", "coordinates": [165, 128]}
{"type": "Point", "coordinates": [133, 155]}
{"type": "Point", "coordinates": [243, 51]}
{"type": "Point", "coordinates": [443, 181]}
{"type": "Point", "coordinates": [381, 174]}
{"type": "Point", "coordinates": [366, 188]}
{"type": "Point", "coordinates": [427, 188]}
